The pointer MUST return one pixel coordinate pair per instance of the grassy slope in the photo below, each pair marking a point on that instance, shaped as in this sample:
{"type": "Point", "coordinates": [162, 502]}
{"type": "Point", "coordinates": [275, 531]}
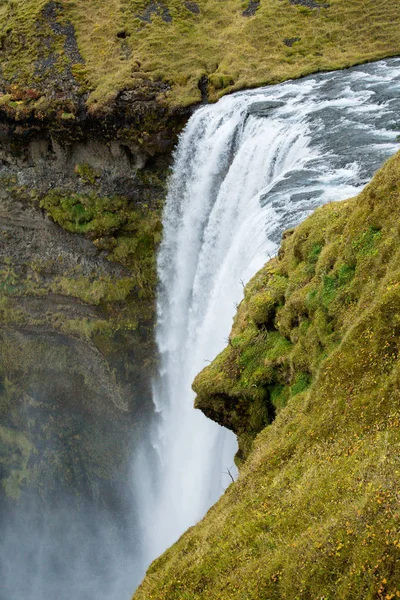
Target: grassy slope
{"type": "Point", "coordinates": [315, 512]}
{"type": "Point", "coordinates": [121, 50]}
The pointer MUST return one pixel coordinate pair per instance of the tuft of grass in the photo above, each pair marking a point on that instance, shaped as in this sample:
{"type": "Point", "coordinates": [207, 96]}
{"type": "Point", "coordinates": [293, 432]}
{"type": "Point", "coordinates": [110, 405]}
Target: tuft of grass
{"type": "Point", "coordinates": [315, 512]}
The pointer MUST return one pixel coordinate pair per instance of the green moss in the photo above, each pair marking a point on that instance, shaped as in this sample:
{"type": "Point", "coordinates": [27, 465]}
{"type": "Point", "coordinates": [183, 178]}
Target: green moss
{"type": "Point", "coordinates": [93, 290]}
{"type": "Point", "coordinates": [262, 306]}
{"type": "Point", "coordinates": [129, 234]}
{"type": "Point", "coordinates": [366, 242]}
{"type": "Point", "coordinates": [314, 513]}
{"type": "Point", "coordinates": [301, 383]}
{"type": "Point", "coordinates": [90, 213]}
{"type": "Point", "coordinates": [313, 256]}
{"type": "Point", "coordinates": [87, 173]}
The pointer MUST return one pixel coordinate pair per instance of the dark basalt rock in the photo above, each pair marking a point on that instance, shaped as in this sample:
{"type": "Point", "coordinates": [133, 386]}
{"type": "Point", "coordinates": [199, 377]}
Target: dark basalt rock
{"type": "Point", "coordinates": [203, 87]}
{"type": "Point", "coordinates": [262, 109]}
{"type": "Point", "coordinates": [290, 41]}
{"type": "Point", "coordinates": [251, 9]}
{"type": "Point", "coordinates": [193, 7]}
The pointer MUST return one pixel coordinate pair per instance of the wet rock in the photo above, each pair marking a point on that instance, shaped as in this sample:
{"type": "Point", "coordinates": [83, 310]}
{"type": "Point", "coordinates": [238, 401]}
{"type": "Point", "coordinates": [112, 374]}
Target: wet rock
{"type": "Point", "coordinates": [203, 87]}
{"type": "Point", "coordinates": [262, 109]}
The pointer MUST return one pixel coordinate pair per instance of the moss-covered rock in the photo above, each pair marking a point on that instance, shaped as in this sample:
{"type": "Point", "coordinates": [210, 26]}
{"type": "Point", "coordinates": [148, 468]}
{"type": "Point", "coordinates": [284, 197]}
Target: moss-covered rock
{"type": "Point", "coordinates": [292, 317]}
{"type": "Point", "coordinates": [77, 300]}
{"type": "Point", "coordinates": [315, 511]}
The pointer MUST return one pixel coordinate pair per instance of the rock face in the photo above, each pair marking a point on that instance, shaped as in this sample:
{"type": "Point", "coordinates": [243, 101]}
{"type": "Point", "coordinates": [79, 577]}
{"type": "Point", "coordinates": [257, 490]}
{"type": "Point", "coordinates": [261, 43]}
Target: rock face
{"type": "Point", "coordinates": [262, 109]}
{"type": "Point", "coordinates": [58, 367]}
{"type": "Point", "coordinates": [77, 301]}
{"type": "Point", "coordinates": [310, 382]}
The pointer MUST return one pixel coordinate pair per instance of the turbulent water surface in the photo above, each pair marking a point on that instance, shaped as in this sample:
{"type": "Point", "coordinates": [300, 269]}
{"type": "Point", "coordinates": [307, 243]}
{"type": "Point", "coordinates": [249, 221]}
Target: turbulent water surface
{"type": "Point", "coordinates": [245, 169]}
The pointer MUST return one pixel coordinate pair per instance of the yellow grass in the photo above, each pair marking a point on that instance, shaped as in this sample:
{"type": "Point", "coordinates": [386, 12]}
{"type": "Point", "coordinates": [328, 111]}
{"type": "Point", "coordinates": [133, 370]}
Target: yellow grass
{"type": "Point", "coordinates": [233, 51]}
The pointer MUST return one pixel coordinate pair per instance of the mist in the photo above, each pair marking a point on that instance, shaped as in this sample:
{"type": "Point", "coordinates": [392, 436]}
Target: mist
{"type": "Point", "coordinates": [62, 554]}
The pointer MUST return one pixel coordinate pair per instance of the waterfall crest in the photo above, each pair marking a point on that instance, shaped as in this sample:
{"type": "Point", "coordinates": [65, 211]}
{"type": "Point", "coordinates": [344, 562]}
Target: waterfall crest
{"type": "Point", "coordinates": [245, 169]}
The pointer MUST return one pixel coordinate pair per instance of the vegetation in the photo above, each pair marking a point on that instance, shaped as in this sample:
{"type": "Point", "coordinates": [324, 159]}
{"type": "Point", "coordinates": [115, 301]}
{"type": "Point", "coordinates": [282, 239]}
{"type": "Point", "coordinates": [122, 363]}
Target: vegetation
{"type": "Point", "coordinates": [130, 235]}
{"type": "Point", "coordinates": [315, 511]}
{"type": "Point", "coordinates": [53, 52]}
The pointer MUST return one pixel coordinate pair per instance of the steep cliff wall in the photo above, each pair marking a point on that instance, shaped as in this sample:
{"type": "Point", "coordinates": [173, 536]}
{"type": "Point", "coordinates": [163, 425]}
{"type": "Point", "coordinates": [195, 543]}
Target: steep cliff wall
{"type": "Point", "coordinates": [80, 210]}
{"type": "Point", "coordinates": [312, 365]}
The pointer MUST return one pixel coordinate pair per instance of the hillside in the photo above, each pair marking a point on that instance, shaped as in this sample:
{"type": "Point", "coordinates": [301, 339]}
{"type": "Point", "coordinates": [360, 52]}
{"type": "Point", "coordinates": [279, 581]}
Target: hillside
{"type": "Point", "coordinates": [314, 352]}
{"type": "Point", "coordinates": [69, 55]}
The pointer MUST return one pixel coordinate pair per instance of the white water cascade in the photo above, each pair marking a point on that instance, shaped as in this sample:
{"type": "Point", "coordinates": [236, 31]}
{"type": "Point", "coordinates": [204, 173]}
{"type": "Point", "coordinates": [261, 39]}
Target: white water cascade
{"type": "Point", "coordinates": [245, 169]}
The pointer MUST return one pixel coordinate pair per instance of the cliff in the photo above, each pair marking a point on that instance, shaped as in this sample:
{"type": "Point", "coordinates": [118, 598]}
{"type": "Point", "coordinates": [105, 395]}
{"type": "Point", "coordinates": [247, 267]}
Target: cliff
{"type": "Point", "coordinates": [310, 383]}
{"type": "Point", "coordinates": [80, 219]}
{"type": "Point", "coordinates": [80, 211]}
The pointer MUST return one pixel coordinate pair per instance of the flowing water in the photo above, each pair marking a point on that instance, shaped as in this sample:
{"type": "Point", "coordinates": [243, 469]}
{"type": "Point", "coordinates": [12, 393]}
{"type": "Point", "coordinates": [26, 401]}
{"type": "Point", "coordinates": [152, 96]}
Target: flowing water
{"type": "Point", "coordinates": [245, 169]}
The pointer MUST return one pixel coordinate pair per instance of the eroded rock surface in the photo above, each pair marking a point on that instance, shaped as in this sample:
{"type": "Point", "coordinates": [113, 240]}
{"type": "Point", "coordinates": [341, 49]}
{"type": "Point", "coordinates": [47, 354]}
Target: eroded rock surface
{"type": "Point", "coordinates": [77, 300]}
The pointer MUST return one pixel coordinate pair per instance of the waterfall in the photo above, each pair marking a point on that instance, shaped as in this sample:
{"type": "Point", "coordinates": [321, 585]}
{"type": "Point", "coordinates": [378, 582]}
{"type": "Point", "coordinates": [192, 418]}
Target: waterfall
{"type": "Point", "coordinates": [245, 169]}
